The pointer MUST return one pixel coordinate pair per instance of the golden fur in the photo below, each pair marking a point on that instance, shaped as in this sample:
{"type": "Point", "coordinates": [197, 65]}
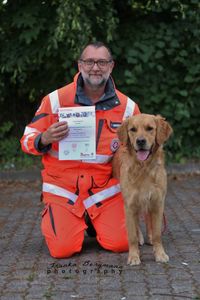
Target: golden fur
{"type": "Point", "coordinates": [139, 165]}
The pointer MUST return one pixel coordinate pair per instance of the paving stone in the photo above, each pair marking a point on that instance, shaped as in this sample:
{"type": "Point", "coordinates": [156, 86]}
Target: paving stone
{"type": "Point", "coordinates": [35, 291]}
{"type": "Point", "coordinates": [96, 273]}
{"type": "Point", "coordinates": [12, 296]}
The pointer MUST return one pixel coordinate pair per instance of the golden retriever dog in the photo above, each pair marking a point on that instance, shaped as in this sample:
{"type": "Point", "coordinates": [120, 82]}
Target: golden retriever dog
{"type": "Point", "coordinates": [139, 165]}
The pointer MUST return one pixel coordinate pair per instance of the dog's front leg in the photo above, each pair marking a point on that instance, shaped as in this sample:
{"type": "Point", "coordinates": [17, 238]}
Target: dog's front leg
{"type": "Point", "coordinates": [148, 222]}
{"type": "Point", "coordinates": [159, 252]}
{"type": "Point", "coordinates": [132, 226]}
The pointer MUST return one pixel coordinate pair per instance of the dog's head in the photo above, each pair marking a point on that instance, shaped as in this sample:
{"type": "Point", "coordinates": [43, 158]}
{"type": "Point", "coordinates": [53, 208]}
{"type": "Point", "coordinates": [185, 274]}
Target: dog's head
{"type": "Point", "coordinates": [144, 134]}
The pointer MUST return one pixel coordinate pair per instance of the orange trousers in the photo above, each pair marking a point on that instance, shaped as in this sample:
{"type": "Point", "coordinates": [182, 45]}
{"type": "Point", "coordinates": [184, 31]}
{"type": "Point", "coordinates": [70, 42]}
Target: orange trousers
{"type": "Point", "coordinates": [64, 232]}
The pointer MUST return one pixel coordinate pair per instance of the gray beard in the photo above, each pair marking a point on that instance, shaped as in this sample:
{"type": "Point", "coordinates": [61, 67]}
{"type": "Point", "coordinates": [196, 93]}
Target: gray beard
{"type": "Point", "coordinates": [96, 86]}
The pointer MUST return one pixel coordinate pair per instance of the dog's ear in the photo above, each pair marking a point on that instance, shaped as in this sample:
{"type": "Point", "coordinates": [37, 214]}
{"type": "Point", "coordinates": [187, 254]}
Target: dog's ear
{"type": "Point", "coordinates": [164, 130]}
{"type": "Point", "coordinates": [122, 132]}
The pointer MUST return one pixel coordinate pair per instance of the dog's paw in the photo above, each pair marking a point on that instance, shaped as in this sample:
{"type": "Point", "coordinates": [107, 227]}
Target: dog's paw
{"type": "Point", "coordinates": [133, 260]}
{"type": "Point", "coordinates": [161, 257]}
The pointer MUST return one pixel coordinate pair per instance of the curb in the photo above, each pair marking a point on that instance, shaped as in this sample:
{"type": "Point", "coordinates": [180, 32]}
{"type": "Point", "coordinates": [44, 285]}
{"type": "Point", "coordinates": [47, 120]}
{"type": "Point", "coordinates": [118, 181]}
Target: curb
{"type": "Point", "coordinates": [20, 175]}
{"type": "Point", "coordinates": [189, 169]}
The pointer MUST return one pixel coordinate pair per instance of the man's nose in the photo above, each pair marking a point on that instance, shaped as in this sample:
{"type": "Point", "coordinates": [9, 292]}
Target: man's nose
{"type": "Point", "coordinates": [95, 67]}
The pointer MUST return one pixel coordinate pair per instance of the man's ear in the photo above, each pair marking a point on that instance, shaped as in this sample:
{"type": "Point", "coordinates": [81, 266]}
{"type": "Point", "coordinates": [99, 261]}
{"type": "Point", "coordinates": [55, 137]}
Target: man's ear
{"type": "Point", "coordinates": [112, 64]}
{"type": "Point", "coordinates": [79, 65]}
{"type": "Point", "coordinates": [122, 132]}
{"type": "Point", "coordinates": [164, 130]}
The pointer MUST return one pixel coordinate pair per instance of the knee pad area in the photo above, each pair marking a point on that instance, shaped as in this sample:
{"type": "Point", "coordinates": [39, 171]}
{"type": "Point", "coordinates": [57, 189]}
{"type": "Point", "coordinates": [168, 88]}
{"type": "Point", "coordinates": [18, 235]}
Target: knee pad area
{"type": "Point", "coordinates": [119, 244]}
{"type": "Point", "coordinates": [63, 232]}
{"type": "Point", "coordinates": [63, 248]}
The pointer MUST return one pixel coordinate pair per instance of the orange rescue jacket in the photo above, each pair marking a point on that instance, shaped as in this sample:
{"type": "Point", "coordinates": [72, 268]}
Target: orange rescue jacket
{"type": "Point", "coordinates": [83, 184]}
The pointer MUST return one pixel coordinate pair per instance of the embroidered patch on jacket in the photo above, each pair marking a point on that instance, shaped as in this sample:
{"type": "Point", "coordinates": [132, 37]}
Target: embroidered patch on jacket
{"type": "Point", "coordinates": [114, 145]}
{"type": "Point", "coordinates": [114, 125]}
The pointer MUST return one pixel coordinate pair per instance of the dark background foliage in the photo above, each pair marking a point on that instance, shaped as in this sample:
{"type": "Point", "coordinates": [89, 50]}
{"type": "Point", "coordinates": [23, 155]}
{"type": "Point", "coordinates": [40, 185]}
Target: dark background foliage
{"type": "Point", "coordinates": [155, 45]}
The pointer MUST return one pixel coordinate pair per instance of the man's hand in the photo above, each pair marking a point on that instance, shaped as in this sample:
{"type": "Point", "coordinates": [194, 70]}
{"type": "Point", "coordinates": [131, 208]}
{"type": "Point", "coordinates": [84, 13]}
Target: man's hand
{"type": "Point", "coordinates": [54, 133]}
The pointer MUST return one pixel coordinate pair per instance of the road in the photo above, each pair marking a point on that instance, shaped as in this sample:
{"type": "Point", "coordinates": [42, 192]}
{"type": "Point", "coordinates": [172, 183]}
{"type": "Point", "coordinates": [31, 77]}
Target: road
{"type": "Point", "coordinates": [28, 271]}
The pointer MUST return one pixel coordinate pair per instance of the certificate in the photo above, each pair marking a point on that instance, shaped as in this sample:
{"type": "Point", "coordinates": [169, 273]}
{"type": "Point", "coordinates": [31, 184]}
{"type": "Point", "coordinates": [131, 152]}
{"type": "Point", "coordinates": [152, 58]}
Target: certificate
{"type": "Point", "coordinates": [80, 144]}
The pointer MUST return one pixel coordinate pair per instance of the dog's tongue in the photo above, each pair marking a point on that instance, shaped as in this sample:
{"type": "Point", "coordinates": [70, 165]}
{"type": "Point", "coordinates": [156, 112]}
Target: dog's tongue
{"type": "Point", "coordinates": [142, 154]}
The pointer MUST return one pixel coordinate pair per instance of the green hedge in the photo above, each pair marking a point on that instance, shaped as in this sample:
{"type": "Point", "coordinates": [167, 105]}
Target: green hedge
{"type": "Point", "coordinates": [156, 47]}
{"type": "Point", "coordinates": [159, 66]}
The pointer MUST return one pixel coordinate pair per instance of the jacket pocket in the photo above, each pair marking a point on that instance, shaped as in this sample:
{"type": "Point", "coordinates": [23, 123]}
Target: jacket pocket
{"type": "Point", "coordinates": [48, 222]}
{"type": "Point", "coordinates": [52, 219]}
{"type": "Point", "coordinates": [113, 125]}
{"type": "Point", "coordinates": [108, 141]}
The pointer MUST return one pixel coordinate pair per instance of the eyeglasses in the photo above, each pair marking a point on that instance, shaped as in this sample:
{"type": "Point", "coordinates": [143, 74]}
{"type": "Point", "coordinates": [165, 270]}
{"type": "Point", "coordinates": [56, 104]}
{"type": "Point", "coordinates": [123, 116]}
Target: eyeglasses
{"type": "Point", "coordinates": [101, 63]}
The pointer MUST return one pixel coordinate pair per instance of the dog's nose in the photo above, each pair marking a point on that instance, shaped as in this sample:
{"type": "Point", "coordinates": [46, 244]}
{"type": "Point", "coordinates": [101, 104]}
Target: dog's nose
{"type": "Point", "coordinates": [140, 142]}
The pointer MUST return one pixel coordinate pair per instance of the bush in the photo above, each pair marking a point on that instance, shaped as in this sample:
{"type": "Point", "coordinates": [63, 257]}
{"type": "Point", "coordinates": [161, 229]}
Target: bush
{"type": "Point", "coordinates": [11, 156]}
{"type": "Point", "coordinates": [155, 44]}
{"type": "Point", "coordinates": [158, 65]}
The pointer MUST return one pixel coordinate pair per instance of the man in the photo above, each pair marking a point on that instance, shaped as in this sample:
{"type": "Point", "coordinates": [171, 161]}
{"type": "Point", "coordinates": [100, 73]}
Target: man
{"type": "Point", "coordinates": [71, 188]}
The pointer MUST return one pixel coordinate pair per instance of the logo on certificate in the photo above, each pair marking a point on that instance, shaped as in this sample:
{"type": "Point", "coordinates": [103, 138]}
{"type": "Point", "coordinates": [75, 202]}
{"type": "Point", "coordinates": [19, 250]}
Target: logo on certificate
{"type": "Point", "coordinates": [66, 152]}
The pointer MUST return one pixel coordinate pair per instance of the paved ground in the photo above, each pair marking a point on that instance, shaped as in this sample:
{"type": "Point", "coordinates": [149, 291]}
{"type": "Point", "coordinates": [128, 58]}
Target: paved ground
{"type": "Point", "coordinates": [28, 272]}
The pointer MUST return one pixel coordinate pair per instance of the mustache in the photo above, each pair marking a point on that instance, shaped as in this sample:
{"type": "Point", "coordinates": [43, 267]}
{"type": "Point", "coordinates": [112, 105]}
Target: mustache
{"type": "Point", "coordinates": [95, 73]}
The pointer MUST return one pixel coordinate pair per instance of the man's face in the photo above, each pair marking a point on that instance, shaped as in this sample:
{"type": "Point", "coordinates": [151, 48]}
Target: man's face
{"type": "Point", "coordinates": [95, 75]}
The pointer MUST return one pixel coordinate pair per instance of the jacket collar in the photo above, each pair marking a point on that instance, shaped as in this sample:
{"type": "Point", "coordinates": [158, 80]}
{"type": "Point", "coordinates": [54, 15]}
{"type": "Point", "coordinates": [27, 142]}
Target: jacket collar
{"type": "Point", "coordinates": [108, 101]}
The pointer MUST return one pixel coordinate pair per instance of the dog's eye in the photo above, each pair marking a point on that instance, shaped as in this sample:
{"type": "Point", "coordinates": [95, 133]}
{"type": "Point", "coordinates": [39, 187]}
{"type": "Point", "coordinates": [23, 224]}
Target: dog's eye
{"type": "Point", "coordinates": [133, 129]}
{"type": "Point", "coordinates": [149, 128]}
